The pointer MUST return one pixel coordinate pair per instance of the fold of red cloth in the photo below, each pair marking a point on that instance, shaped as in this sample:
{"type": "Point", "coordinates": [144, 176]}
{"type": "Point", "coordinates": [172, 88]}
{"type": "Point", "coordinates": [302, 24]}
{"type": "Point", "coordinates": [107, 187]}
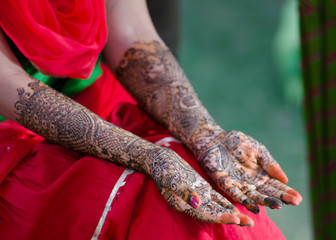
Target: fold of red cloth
{"type": "Point", "coordinates": [62, 38]}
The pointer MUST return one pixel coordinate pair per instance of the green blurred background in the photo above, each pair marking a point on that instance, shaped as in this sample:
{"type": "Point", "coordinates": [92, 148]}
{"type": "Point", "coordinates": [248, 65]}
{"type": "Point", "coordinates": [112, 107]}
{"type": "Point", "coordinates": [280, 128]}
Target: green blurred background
{"type": "Point", "coordinates": [241, 59]}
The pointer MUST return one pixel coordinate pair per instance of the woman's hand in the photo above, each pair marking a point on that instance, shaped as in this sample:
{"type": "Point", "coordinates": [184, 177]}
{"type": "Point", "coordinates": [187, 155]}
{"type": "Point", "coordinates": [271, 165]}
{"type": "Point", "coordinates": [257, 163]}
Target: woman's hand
{"type": "Point", "coordinates": [186, 191]}
{"type": "Point", "coordinates": [244, 169]}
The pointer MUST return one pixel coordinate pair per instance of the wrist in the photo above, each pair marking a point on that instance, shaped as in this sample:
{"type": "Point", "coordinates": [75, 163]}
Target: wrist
{"type": "Point", "coordinates": [206, 137]}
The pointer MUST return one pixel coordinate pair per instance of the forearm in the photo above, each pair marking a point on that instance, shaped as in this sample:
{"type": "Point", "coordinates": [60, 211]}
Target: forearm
{"type": "Point", "coordinates": [148, 71]}
{"type": "Point", "coordinates": [152, 75]}
{"type": "Point", "coordinates": [63, 121]}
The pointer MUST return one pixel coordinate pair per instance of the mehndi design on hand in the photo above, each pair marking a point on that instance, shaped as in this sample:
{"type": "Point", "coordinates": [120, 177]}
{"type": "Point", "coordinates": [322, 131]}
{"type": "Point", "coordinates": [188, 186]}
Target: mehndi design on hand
{"type": "Point", "coordinates": [63, 121]}
{"type": "Point", "coordinates": [239, 165]}
{"type": "Point", "coordinates": [244, 169]}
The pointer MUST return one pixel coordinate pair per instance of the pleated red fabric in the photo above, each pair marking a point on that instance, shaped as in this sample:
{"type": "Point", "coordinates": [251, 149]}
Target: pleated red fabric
{"type": "Point", "coordinates": [61, 38]}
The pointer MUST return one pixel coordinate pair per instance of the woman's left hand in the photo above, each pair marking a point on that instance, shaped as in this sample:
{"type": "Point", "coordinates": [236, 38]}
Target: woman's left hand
{"type": "Point", "coordinates": [244, 169]}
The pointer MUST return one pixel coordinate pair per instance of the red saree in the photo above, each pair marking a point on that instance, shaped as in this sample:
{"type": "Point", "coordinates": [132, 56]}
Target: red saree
{"type": "Point", "coordinates": [49, 192]}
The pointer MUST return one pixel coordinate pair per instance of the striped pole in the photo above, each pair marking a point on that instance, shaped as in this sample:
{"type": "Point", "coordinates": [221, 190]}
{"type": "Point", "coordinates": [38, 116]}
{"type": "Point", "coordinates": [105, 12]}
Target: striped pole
{"type": "Point", "coordinates": [318, 47]}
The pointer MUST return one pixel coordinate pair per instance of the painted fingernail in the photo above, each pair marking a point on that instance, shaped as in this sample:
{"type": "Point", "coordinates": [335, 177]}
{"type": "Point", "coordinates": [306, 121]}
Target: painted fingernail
{"type": "Point", "coordinates": [273, 203]}
{"type": "Point", "coordinates": [251, 206]}
{"type": "Point", "coordinates": [194, 202]}
{"type": "Point", "coordinates": [247, 225]}
{"type": "Point", "coordinates": [289, 203]}
{"type": "Point", "coordinates": [231, 206]}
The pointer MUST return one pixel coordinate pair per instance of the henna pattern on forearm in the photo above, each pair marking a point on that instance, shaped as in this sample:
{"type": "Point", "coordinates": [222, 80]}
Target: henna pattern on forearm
{"type": "Point", "coordinates": [63, 121]}
{"type": "Point", "coordinates": [152, 75]}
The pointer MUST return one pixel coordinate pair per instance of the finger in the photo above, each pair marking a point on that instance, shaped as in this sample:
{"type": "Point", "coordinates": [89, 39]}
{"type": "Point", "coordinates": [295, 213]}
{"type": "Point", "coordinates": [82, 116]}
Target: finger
{"type": "Point", "coordinates": [215, 196]}
{"type": "Point", "coordinates": [264, 200]}
{"type": "Point", "coordinates": [191, 197]}
{"type": "Point", "coordinates": [237, 195]}
{"type": "Point", "coordinates": [288, 200]}
{"type": "Point", "coordinates": [275, 193]}
{"type": "Point", "coordinates": [270, 165]}
{"type": "Point", "coordinates": [285, 197]}
{"type": "Point", "coordinates": [188, 195]}
{"type": "Point", "coordinates": [276, 172]}
{"type": "Point", "coordinates": [244, 220]}
{"type": "Point", "coordinates": [208, 212]}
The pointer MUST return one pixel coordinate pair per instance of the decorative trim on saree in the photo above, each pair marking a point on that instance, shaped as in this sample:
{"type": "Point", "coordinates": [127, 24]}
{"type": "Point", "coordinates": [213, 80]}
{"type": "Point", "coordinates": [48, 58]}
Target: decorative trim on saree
{"type": "Point", "coordinates": [165, 142]}
{"type": "Point", "coordinates": [121, 182]}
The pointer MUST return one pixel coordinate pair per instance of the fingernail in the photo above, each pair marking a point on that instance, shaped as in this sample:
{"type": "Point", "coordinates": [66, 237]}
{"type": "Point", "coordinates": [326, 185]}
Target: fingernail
{"type": "Point", "coordinates": [194, 202]}
{"type": "Point", "coordinates": [255, 209]}
{"type": "Point", "coordinates": [250, 225]}
{"type": "Point", "coordinates": [289, 203]}
{"type": "Point", "coordinates": [273, 203]}
{"type": "Point", "coordinates": [232, 207]}
{"type": "Point", "coordinates": [235, 210]}
{"type": "Point", "coordinates": [251, 206]}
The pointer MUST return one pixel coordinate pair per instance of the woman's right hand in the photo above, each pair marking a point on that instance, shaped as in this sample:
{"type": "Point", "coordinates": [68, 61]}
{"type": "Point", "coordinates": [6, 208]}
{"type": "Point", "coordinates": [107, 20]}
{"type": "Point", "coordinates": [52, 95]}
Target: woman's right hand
{"type": "Point", "coordinates": [186, 191]}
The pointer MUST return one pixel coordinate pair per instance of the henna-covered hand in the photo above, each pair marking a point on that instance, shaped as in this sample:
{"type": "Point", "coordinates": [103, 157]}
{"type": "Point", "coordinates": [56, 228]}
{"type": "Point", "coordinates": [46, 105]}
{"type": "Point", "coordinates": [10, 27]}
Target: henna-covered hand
{"type": "Point", "coordinates": [180, 184]}
{"type": "Point", "coordinates": [63, 121]}
{"type": "Point", "coordinates": [244, 169]}
{"type": "Point", "coordinates": [239, 165]}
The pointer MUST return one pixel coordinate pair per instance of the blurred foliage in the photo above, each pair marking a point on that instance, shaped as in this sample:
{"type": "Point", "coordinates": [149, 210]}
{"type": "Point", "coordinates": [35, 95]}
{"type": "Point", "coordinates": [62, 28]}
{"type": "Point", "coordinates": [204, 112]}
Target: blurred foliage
{"type": "Point", "coordinates": [287, 53]}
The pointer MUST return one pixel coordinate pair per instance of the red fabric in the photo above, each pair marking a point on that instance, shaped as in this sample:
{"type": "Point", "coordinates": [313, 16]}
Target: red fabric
{"type": "Point", "coordinates": [60, 37]}
{"type": "Point", "coordinates": [54, 193]}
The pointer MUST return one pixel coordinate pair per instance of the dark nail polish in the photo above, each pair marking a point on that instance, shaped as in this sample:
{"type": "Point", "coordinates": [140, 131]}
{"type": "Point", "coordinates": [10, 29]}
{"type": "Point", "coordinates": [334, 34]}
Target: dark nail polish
{"type": "Point", "coordinates": [273, 203]}
{"type": "Point", "coordinates": [285, 202]}
{"type": "Point", "coordinates": [231, 206]}
{"type": "Point", "coordinates": [251, 206]}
